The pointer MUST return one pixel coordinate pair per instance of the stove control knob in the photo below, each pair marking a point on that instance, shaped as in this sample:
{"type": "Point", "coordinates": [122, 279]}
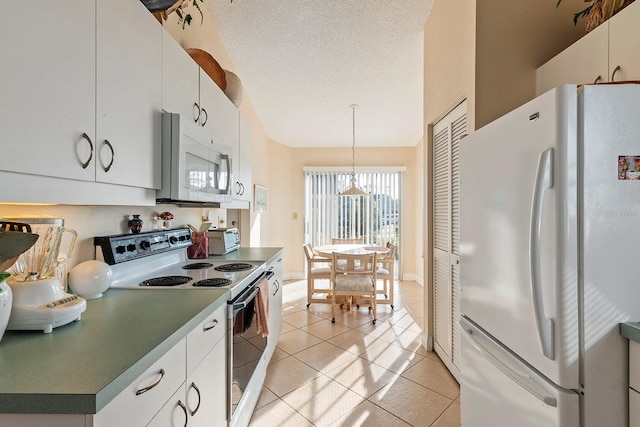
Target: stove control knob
{"type": "Point", "coordinates": [145, 245]}
{"type": "Point", "coordinates": [173, 240]}
{"type": "Point", "coordinates": [120, 249]}
{"type": "Point", "coordinates": [131, 247]}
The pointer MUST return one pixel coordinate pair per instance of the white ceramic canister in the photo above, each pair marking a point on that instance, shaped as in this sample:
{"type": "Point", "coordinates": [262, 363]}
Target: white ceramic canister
{"type": "Point", "coordinates": [6, 299]}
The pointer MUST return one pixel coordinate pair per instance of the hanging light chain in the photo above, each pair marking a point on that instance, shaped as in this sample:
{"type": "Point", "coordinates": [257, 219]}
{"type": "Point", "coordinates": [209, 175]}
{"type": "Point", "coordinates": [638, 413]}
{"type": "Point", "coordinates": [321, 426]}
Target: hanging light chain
{"type": "Point", "coordinates": [353, 146]}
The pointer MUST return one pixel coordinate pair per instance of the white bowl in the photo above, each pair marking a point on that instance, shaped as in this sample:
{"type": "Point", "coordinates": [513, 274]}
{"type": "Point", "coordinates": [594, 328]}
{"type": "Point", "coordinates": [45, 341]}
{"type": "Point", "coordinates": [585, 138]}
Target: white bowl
{"type": "Point", "coordinates": [90, 279]}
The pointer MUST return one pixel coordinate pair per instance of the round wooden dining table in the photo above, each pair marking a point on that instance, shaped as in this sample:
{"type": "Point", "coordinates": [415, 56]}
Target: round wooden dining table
{"type": "Point", "coordinates": [349, 249]}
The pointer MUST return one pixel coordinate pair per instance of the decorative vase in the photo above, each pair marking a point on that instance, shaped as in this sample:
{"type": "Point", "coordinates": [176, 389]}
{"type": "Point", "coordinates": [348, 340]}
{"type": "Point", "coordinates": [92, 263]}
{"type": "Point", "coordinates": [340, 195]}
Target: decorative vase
{"type": "Point", "coordinates": [135, 224]}
{"type": "Point", "coordinates": [6, 299]}
{"type": "Point", "coordinates": [166, 224]}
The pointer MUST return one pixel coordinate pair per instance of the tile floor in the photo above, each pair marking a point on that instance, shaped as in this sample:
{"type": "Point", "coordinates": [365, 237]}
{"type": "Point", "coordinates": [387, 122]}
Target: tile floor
{"type": "Point", "coordinates": [353, 373]}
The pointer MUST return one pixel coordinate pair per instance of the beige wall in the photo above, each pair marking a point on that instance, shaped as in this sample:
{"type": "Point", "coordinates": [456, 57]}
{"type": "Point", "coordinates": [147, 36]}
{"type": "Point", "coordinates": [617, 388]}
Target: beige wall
{"type": "Point", "coordinates": [486, 52]}
{"type": "Point", "coordinates": [511, 43]}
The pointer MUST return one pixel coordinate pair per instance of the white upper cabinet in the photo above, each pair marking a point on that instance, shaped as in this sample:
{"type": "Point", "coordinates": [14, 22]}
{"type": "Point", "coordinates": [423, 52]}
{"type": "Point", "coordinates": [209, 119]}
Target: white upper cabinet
{"type": "Point", "coordinates": [242, 187]}
{"type": "Point", "coordinates": [585, 61]}
{"type": "Point", "coordinates": [80, 117]}
{"type": "Point", "coordinates": [221, 117]}
{"type": "Point", "coordinates": [608, 53]}
{"type": "Point", "coordinates": [180, 80]}
{"type": "Point", "coordinates": [48, 88]}
{"type": "Point", "coordinates": [624, 44]}
{"type": "Point", "coordinates": [129, 67]}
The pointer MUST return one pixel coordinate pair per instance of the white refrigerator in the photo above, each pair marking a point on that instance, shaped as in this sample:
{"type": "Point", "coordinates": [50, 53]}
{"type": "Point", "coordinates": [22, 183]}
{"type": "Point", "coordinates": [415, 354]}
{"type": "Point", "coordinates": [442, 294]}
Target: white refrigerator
{"type": "Point", "coordinates": [550, 260]}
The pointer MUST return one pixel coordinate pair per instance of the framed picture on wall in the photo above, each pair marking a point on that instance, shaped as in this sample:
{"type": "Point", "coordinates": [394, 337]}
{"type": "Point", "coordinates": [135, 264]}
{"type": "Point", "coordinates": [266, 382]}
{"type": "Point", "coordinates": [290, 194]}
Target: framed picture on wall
{"type": "Point", "coordinates": [260, 196]}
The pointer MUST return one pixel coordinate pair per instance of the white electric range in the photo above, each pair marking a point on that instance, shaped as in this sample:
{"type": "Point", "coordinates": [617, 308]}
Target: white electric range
{"type": "Point", "coordinates": [158, 259]}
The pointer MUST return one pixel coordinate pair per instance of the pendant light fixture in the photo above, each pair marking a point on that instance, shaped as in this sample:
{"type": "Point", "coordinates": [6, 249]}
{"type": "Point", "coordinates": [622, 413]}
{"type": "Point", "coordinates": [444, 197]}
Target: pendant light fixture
{"type": "Point", "coordinates": [353, 190]}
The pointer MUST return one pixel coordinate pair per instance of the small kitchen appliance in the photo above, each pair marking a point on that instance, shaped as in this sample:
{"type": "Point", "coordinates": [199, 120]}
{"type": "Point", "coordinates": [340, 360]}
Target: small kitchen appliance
{"type": "Point", "coordinates": [194, 169]}
{"type": "Point", "coordinates": [223, 240]}
{"type": "Point", "coordinates": [39, 301]}
{"type": "Point", "coordinates": [549, 208]}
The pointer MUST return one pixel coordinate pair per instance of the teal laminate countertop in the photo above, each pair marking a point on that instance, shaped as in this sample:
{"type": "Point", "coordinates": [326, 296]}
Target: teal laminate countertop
{"type": "Point", "coordinates": [630, 330]}
{"type": "Point", "coordinates": [266, 255]}
{"type": "Point", "coordinates": [80, 367]}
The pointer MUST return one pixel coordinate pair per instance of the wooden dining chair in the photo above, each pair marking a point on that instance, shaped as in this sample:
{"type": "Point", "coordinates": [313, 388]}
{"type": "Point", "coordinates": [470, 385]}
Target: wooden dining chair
{"type": "Point", "coordinates": [355, 241]}
{"type": "Point", "coordinates": [354, 276]}
{"type": "Point", "coordinates": [318, 268]}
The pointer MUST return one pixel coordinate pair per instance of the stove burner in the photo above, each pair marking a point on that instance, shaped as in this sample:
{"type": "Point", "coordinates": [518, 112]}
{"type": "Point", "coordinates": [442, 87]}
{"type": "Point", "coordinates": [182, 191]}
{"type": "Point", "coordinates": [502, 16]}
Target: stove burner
{"type": "Point", "coordinates": [166, 281]}
{"type": "Point", "coordinates": [214, 283]}
{"type": "Point", "coordinates": [197, 266]}
{"type": "Point", "coordinates": [235, 266]}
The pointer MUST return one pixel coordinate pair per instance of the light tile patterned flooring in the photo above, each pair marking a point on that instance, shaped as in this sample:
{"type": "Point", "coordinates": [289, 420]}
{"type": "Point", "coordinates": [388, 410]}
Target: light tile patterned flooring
{"type": "Point", "coordinates": [353, 373]}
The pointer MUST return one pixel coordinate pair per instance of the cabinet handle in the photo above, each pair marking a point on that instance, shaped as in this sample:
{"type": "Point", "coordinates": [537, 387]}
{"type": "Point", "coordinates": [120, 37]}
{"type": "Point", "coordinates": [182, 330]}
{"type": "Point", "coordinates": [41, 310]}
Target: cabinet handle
{"type": "Point", "coordinates": [595, 82]}
{"type": "Point", "coordinates": [277, 287]}
{"type": "Point", "coordinates": [146, 389]}
{"type": "Point", "coordinates": [206, 117]}
{"type": "Point", "coordinates": [196, 110]}
{"type": "Point", "coordinates": [242, 185]}
{"type": "Point", "coordinates": [113, 155]}
{"type": "Point", "coordinates": [195, 387]}
{"type": "Point", "coordinates": [184, 409]}
{"type": "Point", "coordinates": [213, 325]}
{"type": "Point", "coordinates": [613, 75]}
{"type": "Point", "coordinates": [86, 137]}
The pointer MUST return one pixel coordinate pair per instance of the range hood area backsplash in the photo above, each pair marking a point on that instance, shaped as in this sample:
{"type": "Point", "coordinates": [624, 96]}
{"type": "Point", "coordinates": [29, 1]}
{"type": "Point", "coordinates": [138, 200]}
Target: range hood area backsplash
{"type": "Point", "coordinates": [90, 221]}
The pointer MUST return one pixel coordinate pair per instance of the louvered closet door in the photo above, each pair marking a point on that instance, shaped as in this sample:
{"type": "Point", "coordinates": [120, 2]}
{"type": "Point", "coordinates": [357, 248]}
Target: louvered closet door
{"type": "Point", "coordinates": [446, 231]}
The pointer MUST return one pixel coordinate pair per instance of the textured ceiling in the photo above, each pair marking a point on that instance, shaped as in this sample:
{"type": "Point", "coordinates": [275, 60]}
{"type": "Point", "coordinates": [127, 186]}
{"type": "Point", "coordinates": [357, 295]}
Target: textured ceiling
{"type": "Point", "coordinates": [303, 62]}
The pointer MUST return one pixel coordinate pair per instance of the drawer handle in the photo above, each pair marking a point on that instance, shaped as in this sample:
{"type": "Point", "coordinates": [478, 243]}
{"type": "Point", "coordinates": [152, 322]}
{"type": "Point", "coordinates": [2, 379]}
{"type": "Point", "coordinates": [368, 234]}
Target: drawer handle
{"type": "Point", "coordinates": [146, 389]}
{"type": "Point", "coordinates": [184, 409]}
{"type": "Point", "coordinates": [113, 155]}
{"type": "Point", "coordinates": [85, 164]}
{"type": "Point", "coordinates": [213, 325]}
{"type": "Point", "coordinates": [195, 387]}
{"type": "Point", "coordinates": [595, 82]}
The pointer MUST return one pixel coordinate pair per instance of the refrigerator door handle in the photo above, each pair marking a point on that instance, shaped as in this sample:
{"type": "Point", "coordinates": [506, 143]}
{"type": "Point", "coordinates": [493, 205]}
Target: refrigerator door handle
{"type": "Point", "coordinates": [544, 325]}
{"type": "Point", "coordinates": [507, 364]}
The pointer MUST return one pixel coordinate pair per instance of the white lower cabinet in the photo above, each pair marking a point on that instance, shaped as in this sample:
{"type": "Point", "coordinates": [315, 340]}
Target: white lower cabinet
{"type": "Point", "coordinates": [275, 304]}
{"type": "Point", "coordinates": [634, 384]}
{"type": "Point", "coordinates": [201, 400]}
{"type": "Point", "coordinates": [141, 400]}
{"type": "Point", "coordinates": [634, 408]}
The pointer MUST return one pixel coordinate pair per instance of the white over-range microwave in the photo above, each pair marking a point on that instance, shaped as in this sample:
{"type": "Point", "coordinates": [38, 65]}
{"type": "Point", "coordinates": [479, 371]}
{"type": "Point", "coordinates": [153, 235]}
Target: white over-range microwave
{"type": "Point", "coordinates": [194, 170]}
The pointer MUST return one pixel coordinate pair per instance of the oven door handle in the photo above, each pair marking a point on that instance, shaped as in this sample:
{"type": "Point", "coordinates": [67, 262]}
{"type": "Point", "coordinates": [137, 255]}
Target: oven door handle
{"type": "Point", "coordinates": [237, 306]}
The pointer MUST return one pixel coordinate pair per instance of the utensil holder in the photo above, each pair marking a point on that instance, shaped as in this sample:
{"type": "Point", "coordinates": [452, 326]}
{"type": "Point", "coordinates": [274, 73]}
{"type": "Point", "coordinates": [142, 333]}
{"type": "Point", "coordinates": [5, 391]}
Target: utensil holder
{"type": "Point", "coordinates": [200, 247]}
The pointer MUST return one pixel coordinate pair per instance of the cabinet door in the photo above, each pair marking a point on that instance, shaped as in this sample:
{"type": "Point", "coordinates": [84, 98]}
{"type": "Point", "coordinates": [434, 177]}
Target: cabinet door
{"type": "Point", "coordinates": [222, 117]}
{"type": "Point", "coordinates": [624, 43]}
{"type": "Point", "coordinates": [180, 80]}
{"type": "Point", "coordinates": [174, 413]}
{"type": "Point", "coordinates": [242, 163]}
{"type": "Point", "coordinates": [206, 389]}
{"type": "Point", "coordinates": [583, 62]}
{"type": "Point", "coordinates": [48, 88]}
{"type": "Point", "coordinates": [275, 305]}
{"type": "Point", "coordinates": [129, 61]}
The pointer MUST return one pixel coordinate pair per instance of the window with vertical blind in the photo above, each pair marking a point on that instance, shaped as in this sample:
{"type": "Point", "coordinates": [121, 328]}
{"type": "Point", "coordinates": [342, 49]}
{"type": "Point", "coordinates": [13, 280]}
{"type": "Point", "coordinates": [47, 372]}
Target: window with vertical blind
{"type": "Point", "coordinates": [375, 218]}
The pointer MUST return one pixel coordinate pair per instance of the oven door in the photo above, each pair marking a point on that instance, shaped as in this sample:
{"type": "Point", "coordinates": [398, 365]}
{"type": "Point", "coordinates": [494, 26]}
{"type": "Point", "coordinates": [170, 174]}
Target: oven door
{"type": "Point", "coordinates": [245, 345]}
